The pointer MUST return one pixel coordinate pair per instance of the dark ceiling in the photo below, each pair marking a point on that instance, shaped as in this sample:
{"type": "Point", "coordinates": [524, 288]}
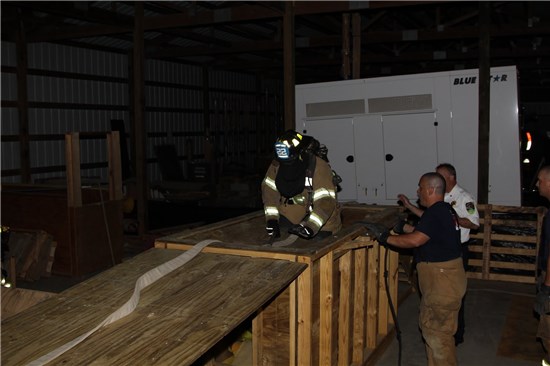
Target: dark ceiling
{"type": "Point", "coordinates": [396, 37]}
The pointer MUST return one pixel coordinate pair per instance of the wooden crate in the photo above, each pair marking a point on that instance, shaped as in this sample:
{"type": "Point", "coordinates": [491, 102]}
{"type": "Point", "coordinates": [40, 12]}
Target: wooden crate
{"type": "Point", "coordinates": [81, 232]}
{"type": "Point", "coordinates": [336, 312]}
{"type": "Point", "coordinates": [507, 243]}
{"type": "Point", "coordinates": [86, 223]}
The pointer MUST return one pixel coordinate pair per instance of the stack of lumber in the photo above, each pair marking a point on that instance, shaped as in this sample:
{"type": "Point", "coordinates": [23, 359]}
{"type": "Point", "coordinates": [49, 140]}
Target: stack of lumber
{"type": "Point", "coordinates": [33, 251]}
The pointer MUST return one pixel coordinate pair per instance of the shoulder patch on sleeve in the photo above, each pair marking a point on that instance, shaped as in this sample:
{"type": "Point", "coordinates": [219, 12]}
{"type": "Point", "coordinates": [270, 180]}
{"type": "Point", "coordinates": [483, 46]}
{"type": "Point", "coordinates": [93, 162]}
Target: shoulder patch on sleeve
{"type": "Point", "coordinates": [470, 207]}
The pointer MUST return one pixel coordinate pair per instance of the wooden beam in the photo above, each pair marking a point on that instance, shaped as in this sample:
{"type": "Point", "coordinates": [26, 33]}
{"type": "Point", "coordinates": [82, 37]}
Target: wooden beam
{"type": "Point", "coordinates": [345, 312]}
{"type": "Point", "coordinates": [139, 121]}
{"type": "Point", "coordinates": [356, 32]}
{"type": "Point", "coordinates": [304, 316]}
{"type": "Point", "coordinates": [359, 306]}
{"type": "Point", "coordinates": [346, 67]}
{"type": "Point", "coordinates": [23, 104]}
{"type": "Point", "coordinates": [72, 158]}
{"type": "Point", "coordinates": [326, 303]}
{"type": "Point", "coordinates": [372, 316]}
{"type": "Point", "coordinates": [484, 103]}
{"type": "Point", "coordinates": [114, 166]}
{"type": "Point", "coordinates": [289, 67]}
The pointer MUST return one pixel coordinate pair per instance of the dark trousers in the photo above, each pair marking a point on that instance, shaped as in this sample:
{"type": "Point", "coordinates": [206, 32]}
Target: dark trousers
{"type": "Point", "coordinates": [459, 335]}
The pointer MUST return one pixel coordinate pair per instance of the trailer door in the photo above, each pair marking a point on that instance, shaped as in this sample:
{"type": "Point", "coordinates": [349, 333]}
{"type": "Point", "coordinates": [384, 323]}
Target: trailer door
{"type": "Point", "coordinates": [337, 135]}
{"type": "Point", "coordinates": [410, 150]}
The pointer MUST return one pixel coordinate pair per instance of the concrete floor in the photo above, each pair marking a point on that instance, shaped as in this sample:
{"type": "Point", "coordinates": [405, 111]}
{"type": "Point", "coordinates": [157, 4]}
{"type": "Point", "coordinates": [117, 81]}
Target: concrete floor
{"type": "Point", "coordinates": [487, 304]}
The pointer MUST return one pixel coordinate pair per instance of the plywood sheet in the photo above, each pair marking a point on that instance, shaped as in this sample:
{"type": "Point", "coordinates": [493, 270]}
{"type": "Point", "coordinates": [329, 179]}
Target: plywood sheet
{"type": "Point", "coordinates": [247, 232]}
{"type": "Point", "coordinates": [178, 318]}
{"type": "Point", "coordinates": [15, 300]}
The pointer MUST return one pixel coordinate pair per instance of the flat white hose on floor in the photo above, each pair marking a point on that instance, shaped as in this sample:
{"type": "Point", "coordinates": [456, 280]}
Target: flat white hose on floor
{"type": "Point", "coordinates": [283, 243]}
{"type": "Point", "coordinates": [142, 282]}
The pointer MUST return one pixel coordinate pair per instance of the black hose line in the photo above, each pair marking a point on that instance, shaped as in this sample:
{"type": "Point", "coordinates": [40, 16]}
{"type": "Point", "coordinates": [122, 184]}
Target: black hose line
{"type": "Point", "coordinates": [392, 308]}
{"type": "Point", "coordinates": [390, 302]}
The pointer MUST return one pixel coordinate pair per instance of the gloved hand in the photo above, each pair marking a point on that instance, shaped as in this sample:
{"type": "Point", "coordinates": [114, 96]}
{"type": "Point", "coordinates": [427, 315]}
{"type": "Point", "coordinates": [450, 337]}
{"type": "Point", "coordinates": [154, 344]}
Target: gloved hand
{"type": "Point", "coordinates": [273, 229]}
{"type": "Point", "coordinates": [542, 301]}
{"type": "Point", "coordinates": [302, 231]}
{"type": "Point", "coordinates": [399, 228]}
{"type": "Point", "coordinates": [379, 232]}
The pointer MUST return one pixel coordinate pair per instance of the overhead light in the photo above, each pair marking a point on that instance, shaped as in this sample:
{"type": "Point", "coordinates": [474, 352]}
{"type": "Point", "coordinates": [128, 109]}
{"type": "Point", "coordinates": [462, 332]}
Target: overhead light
{"type": "Point", "coordinates": [529, 141]}
{"type": "Point", "coordinates": [526, 161]}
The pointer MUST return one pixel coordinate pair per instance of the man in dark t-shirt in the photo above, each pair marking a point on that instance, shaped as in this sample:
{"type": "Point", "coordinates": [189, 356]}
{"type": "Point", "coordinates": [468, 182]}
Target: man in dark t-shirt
{"type": "Point", "coordinates": [441, 277]}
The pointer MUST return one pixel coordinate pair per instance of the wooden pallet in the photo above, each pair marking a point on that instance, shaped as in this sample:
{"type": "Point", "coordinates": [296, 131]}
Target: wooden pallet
{"type": "Point", "coordinates": [507, 243]}
{"type": "Point", "coordinates": [33, 252]}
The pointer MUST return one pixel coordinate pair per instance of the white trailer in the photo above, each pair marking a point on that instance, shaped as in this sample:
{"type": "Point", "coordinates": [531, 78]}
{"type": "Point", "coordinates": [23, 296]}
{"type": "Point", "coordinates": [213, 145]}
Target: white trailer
{"type": "Point", "coordinates": [384, 133]}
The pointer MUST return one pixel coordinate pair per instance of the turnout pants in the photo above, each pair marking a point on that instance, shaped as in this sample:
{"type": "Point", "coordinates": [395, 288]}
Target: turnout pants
{"type": "Point", "coordinates": [543, 331]}
{"type": "Point", "coordinates": [443, 284]}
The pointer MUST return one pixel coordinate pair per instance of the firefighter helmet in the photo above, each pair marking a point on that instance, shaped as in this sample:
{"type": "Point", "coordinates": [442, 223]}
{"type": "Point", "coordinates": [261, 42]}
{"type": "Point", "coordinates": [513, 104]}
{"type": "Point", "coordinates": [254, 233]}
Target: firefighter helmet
{"type": "Point", "coordinates": [289, 146]}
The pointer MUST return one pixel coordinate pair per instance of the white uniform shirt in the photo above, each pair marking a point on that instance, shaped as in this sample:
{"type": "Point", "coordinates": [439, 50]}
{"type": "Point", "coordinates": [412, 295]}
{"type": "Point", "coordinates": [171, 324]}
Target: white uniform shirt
{"type": "Point", "coordinates": [465, 206]}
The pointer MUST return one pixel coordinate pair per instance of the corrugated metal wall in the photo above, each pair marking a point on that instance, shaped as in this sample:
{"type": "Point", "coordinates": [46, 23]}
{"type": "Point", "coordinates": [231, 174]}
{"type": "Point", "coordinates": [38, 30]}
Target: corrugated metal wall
{"type": "Point", "coordinates": [9, 125]}
{"type": "Point", "coordinates": [75, 89]}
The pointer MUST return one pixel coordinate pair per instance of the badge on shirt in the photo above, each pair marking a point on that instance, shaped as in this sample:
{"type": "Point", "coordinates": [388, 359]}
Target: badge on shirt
{"type": "Point", "coordinates": [470, 207]}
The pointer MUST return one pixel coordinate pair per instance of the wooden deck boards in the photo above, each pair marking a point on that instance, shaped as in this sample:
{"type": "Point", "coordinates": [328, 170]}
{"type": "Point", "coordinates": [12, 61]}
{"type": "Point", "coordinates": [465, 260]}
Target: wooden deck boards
{"type": "Point", "coordinates": [177, 320]}
{"type": "Point", "coordinates": [247, 232]}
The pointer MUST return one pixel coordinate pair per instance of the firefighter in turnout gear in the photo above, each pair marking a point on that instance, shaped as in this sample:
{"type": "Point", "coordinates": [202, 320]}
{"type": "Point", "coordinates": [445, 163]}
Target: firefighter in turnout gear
{"type": "Point", "coordinates": [298, 191]}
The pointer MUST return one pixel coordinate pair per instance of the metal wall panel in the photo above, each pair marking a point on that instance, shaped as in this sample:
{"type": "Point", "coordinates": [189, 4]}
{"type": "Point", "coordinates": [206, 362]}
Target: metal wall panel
{"type": "Point", "coordinates": [8, 54]}
{"type": "Point", "coordinates": [10, 155]}
{"type": "Point", "coordinates": [49, 56]}
{"type": "Point", "coordinates": [9, 125]}
{"type": "Point", "coordinates": [9, 86]}
{"type": "Point", "coordinates": [174, 111]}
{"type": "Point", "coordinates": [180, 93]}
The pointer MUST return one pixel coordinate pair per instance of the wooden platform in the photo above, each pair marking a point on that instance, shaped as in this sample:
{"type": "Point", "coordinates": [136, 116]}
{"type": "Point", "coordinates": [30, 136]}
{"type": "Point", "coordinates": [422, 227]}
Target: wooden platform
{"type": "Point", "coordinates": [337, 312]}
{"type": "Point", "coordinates": [178, 319]}
{"type": "Point", "coordinates": [318, 302]}
{"type": "Point", "coordinates": [16, 300]}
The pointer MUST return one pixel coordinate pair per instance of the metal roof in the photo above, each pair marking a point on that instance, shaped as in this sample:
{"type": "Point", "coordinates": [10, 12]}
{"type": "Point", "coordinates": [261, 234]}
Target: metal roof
{"type": "Point", "coordinates": [396, 37]}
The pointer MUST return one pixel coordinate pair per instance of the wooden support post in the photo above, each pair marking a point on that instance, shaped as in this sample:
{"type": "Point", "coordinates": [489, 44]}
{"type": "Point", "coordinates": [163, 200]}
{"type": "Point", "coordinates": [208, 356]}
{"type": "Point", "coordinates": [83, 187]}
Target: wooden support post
{"type": "Point", "coordinates": [325, 309]}
{"type": "Point", "coordinates": [393, 280]}
{"type": "Point", "coordinates": [359, 306]}
{"type": "Point", "coordinates": [257, 330]}
{"type": "Point", "coordinates": [487, 228]}
{"type": "Point", "coordinates": [139, 121]}
{"type": "Point", "coordinates": [345, 47]}
{"type": "Point", "coordinates": [289, 66]}
{"type": "Point", "coordinates": [114, 166]}
{"type": "Point", "coordinates": [23, 104]}
{"type": "Point", "coordinates": [305, 303]}
{"type": "Point", "coordinates": [484, 102]}
{"type": "Point", "coordinates": [356, 33]}
{"type": "Point", "coordinates": [293, 325]}
{"type": "Point", "coordinates": [344, 309]}
{"type": "Point", "coordinates": [372, 296]}
{"type": "Point", "coordinates": [13, 272]}
{"type": "Point", "coordinates": [72, 158]}
{"type": "Point", "coordinates": [383, 308]}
